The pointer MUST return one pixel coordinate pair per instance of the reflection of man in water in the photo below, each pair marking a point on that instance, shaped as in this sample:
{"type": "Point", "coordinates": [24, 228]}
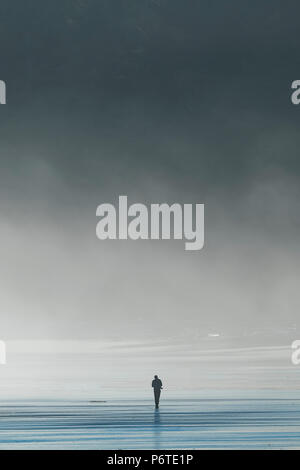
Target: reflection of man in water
{"type": "Point", "coordinates": [157, 386]}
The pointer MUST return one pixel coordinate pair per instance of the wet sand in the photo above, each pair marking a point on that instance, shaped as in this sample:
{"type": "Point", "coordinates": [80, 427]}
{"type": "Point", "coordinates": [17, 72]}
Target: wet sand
{"type": "Point", "coordinates": [248, 423]}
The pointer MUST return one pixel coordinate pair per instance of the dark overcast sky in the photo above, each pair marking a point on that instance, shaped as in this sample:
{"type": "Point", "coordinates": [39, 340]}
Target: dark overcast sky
{"type": "Point", "coordinates": [163, 100]}
{"type": "Point", "coordinates": [208, 73]}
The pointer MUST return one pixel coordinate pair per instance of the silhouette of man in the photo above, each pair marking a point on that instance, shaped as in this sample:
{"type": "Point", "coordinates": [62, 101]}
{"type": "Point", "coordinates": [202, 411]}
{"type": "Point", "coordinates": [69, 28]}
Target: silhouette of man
{"type": "Point", "coordinates": [157, 386]}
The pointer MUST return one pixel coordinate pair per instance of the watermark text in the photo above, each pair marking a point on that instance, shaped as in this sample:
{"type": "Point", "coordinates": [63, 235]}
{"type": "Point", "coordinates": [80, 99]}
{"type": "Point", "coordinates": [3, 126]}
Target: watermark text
{"type": "Point", "coordinates": [158, 222]}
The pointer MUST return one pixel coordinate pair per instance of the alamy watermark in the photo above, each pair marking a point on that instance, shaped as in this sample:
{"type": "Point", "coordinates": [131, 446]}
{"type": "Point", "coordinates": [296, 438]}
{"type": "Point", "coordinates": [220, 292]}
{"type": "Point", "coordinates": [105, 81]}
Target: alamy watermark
{"type": "Point", "coordinates": [158, 222]}
{"type": "Point", "coordinates": [295, 358]}
{"type": "Point", "coordinates": [2, 353]}
{"type": "Point", "coordinates": [2, 92]}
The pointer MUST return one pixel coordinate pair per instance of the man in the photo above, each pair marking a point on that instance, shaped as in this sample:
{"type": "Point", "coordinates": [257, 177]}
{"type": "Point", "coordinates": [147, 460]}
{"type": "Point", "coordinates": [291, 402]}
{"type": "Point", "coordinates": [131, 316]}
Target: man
{"type": "Point", "coordinates": [157, 386]}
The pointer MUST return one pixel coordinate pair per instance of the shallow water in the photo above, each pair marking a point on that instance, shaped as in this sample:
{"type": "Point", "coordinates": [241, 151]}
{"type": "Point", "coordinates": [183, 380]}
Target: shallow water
{"type": "Point", "coordinates": [248, 423]}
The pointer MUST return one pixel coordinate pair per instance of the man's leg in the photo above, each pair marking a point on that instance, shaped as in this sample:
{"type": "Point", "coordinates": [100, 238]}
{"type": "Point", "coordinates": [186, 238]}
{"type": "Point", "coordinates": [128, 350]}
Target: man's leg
{"type": "Point", "coordinates": [156, 396]}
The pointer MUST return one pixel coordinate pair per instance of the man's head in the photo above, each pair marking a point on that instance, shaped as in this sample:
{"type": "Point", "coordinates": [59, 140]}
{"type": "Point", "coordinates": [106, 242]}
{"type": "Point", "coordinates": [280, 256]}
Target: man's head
{"type": "Point", "coordinates": [156, 376]}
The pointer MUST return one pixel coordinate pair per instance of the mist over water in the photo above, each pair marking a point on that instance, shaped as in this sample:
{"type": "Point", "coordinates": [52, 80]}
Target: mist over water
{"type": "Point", "coordinates": [93, 370]}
